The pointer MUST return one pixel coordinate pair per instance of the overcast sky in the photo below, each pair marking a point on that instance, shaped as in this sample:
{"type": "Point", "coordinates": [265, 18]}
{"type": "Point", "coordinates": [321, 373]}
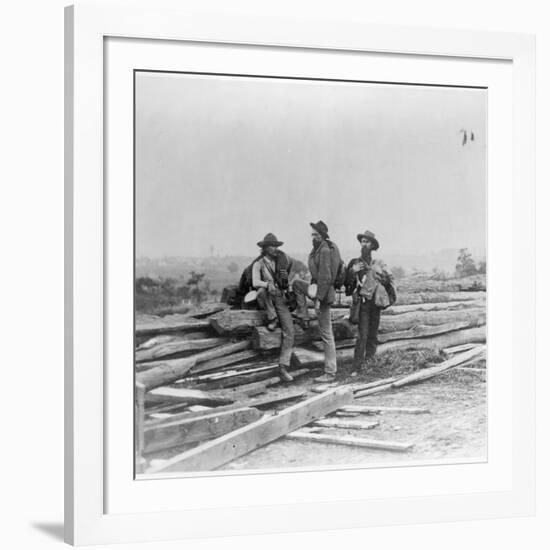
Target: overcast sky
{"type": "Point", "coordinates": [221, 161]}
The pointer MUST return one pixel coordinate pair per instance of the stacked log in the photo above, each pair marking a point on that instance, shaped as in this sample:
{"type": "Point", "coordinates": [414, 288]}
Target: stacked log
{"type": "Point", "coordinates": [226, 362]}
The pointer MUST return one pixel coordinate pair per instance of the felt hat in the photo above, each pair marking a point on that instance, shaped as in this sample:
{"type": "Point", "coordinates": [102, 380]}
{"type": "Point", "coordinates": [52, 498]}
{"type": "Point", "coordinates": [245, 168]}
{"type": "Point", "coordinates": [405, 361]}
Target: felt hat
{"type": "Point", "coordinates": [321, 228]}
{"type": "Point", "coordinates": [370, 236]}
{"type": "Point", "coordinates": [270, 240]}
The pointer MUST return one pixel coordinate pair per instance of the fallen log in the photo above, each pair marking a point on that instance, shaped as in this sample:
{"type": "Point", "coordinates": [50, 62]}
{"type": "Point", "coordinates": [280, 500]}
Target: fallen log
{"type": "Point", "coordinates": [179, 345]}
{"type": "Point", "coordinates": [372, 409]}
{"type": "Point", "coordinates": [170, 323]}
{"type": "Point", "coordinates": [407, 298]}
{"type": "Point", "coordinates": [349, 440]}
{"type": "Point", "coordinates": [191, 397]}
{"type": "Point", "coordinates": [307, 358]}
{"type": "Point", "coordinates": [199, 428]}
{"type": "Point", "coordinates": [434, 306]}
{"type": "Point", "coordinates": [407, 321]}
{"type": "Point", "coordinates": [165, 372]}
{"type": "Point", "coordinates": [242, 321]}
{"type": "Point", "coordinates": [265, 340]}
{"type": "Point", "coordinates": [221, 450]}
{"type": "Point", "coordinates": [173, 337]}
{"type": "Point", "coordinates": [420, 331]}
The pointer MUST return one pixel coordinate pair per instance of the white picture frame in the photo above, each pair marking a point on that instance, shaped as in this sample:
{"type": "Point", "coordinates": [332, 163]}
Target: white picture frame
{"type": "Point", "coordinates": [103, 501]}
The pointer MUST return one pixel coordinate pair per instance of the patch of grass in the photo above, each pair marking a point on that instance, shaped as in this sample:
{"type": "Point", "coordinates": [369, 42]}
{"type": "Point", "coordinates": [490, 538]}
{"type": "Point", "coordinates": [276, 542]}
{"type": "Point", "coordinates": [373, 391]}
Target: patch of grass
{"type": "Point", "coordinates": [393, 363]}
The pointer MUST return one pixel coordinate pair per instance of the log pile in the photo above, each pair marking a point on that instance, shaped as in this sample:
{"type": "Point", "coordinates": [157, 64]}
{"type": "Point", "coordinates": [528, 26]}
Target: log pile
{"type": "Point", "coordinates": [207, 384]}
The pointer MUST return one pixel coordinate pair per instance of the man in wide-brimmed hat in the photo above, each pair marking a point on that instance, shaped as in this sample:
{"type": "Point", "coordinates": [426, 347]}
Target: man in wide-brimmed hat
{"type": "Point", "coordinates": [323, 263]}
{"type": "Point", "coordinates": [270, 274]}
{"type": "Point", "coordinates": [371, 285]}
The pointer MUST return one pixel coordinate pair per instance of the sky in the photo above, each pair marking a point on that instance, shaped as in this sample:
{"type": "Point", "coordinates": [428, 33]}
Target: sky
{"type": "Point", "coordinates": [223, 160]}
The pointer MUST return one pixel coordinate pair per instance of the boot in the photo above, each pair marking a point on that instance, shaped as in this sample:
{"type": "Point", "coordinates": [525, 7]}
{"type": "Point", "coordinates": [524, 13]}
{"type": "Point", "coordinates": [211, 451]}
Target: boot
{"type": "Point", "coordinates": [325, 378]}
{"type": "Point", "coordinates": [284, 374]}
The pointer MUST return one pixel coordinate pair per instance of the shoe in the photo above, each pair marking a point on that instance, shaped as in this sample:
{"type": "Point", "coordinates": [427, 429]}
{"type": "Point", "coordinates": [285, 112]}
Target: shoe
{"type": "Point", "coordinates": [325, 378]}
{"type": "Point", "coordinates": [284, 374]}
{"type": "Point", "coordinates": [272, 325]}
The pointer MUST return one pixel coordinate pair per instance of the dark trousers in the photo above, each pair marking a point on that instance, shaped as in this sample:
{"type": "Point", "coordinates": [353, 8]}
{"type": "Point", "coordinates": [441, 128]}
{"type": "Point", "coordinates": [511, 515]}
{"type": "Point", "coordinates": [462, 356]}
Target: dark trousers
{"type": "Point", "coordinates": [367, 332]}
{"type": "Point", "coordinates": [275, 307]}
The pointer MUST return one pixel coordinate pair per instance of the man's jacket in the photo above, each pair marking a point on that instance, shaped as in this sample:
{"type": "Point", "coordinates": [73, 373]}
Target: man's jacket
{"type": "Point", "coordinates": [374, 283]}
{"type": "Point", "coordinates": [323, 265]}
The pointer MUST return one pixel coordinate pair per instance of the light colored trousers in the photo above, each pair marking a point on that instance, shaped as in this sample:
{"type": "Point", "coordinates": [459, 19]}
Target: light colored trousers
{"type": "Point", "coordinates": [275, 307]}
{"type": "Point", "coordinates": [324, 320]}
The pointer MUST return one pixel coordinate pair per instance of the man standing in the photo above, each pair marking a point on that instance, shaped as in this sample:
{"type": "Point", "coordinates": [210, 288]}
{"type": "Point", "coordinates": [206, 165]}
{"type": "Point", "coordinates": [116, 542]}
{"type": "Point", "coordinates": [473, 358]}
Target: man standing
{"type": "Point", "coordinates": [270, 279]}
{"type": "Point", "coordinates": [323, 263]}
{"type": "Point", "coordinates": [371, 285]}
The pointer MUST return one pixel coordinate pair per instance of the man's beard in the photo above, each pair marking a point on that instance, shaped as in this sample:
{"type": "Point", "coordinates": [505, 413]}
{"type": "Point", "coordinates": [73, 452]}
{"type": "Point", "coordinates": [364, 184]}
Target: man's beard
{"type": "Point", "coordinates": [365, 253]}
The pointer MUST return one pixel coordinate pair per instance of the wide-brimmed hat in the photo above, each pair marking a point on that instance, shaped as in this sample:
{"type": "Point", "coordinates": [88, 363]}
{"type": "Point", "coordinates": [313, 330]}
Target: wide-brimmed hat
{"type": "Point", "coordinates": [321, 228]}
{"type": "Point", "coordinates": [370, 236]}
{"type": "Point", "coordinates": [270, 240]}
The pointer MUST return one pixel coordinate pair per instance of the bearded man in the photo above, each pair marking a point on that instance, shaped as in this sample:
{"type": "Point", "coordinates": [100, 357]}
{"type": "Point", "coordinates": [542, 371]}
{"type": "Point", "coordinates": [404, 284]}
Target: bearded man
{"type": "Point", "coordinates": [371, 285]}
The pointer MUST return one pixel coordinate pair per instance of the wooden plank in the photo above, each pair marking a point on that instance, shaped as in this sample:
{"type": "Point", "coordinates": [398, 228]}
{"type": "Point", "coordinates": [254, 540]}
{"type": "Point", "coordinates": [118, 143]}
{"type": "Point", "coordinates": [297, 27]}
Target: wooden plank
{"type": "Point", "coordinates": [256, 402]}
{"type": "Point", "coordinates": [189, 396]}
{"type": "Point", "coordinates": [458, 349]}
{"type": "Point", "coordinates": [223, 449]}
{"type": "Point", "coordinates": [177, 345]}
{"type": "Point", "coordinates": [165, 372]}
{"type": "Point", "coordinates": [251, 388]}
{"type": "Point", "coordinates": [372, 409]}
{"type": "Point", "coordinates": [344, 424]}
{"type": "Point", "coordinates": [365, 386]}
{"type": "Point", "coordinates": [376, 389]}
{"type": "Point", "coordinates": [208, 426]}
{"type": "Point", "coordinates": [352, 441]}
{"type": "Point", "coordinates": [220, 362]}
{"type": "Point", "coordinates": [238, 379]}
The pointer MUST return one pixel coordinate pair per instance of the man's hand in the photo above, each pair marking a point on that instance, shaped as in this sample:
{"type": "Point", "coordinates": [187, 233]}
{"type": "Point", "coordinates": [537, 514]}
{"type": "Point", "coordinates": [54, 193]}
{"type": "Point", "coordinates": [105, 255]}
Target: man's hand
{"type": "Point", "coordinates": [357, 267]}
{"type": "Point", "coordinates": [271, 287]}
{"type": "Point", "coordinates": [317, 306]}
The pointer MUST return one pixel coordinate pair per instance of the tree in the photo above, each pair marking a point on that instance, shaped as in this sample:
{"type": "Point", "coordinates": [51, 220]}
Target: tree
{"type": "Point", "coordinates": [199, 287]}
{"type": "Point", "coordinates": [482, 267]}
{"type": "Point", "coordinates": [465, 265]}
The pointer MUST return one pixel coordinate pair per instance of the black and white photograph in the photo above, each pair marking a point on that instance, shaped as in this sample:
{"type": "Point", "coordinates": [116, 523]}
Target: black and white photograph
{"type": "Point", "coordinates": [310, 273]}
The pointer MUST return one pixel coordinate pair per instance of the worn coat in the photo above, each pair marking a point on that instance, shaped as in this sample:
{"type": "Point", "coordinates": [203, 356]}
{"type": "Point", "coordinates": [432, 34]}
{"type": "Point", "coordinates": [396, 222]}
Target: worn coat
{"type": "Point", "coordinates": [323, 266]}
{"type": "Point", "coordinates": [375, 283]}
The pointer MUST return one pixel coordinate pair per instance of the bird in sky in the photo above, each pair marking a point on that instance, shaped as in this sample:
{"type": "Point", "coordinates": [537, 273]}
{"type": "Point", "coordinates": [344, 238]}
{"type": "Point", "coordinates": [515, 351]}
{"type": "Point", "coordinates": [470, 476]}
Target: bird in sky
{"type": "Point", "coordinates": [465, 136]}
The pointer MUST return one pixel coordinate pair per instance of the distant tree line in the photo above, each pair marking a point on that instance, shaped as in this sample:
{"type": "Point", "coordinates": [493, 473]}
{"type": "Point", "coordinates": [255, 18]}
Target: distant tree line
{"type": "Point", "coordinates": [153, 295]}
{"type": "Point", "coordinates": [465, 267]}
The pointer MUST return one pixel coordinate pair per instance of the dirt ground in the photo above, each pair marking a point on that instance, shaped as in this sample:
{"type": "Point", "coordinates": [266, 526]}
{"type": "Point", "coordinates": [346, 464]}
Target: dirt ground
{"type": "Point", "coordinates": [454, 429]}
